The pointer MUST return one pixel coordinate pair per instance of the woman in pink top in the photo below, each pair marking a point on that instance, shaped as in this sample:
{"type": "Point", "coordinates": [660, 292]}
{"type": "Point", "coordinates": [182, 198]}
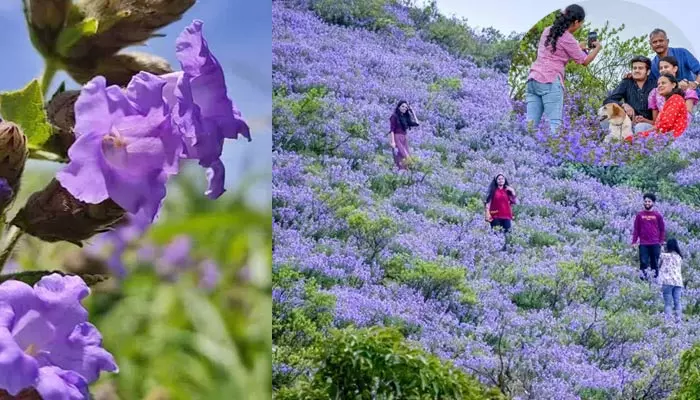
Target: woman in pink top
{"type": "Point", "coordinates": [669, 65]}
{"type": "Point", "coordinates": [544, 92]}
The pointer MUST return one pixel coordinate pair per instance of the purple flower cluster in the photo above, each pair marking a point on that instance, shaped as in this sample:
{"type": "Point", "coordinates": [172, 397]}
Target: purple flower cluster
{"type": "Point", "coordinates": [170, 261]}
{"type": "Point", "coordinates": [129, 141]}
{"type": "Point", "coordinates": [46, 341]}
{"type": "Point", "coordinates": [561, 314]}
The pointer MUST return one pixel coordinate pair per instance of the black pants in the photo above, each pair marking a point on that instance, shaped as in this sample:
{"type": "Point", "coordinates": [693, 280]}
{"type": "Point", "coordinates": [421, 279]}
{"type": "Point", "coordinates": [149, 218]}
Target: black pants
{"type": "Point", "coordinates": [649, 257]}
{"type": "Point", "coordinates": [503, 223]}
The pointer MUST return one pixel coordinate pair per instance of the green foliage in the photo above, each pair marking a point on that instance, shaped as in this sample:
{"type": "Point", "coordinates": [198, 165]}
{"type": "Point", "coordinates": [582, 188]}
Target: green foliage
{"type": "Point", "coordinates": [300, 326]}
{"type": "Point", "coordinates": [690, 375]}
{"type": "Point", "coordinates": [446, 84]}
{"type": "Point", "coordinates": [25, 107]}
{"type": "Point", "coordinates": [303, 116]}
{"type": "Point", "coordinates": [433, 278]}
{"type": "Point", "coordinates": [378, 363]}
{"type": "Point", "coordinates": [583, 281]}
{"type": "Point", "coordinates": [170, 338]}
{"type": "Point", "coordinates": [593, 81]}
{"type": "Point", "coordinates": [470, 201]}
{"type": "Point", "coordinates": [370, 14]}
{"type": "Point", "coordinates": [542, 239]}
{"type": "Point", "coordinates": [373, 233]}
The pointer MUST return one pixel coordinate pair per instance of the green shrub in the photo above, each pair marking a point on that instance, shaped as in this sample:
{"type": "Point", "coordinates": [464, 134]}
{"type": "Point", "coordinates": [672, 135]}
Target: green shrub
{"type": "Point", "coordinates": [378, 363]}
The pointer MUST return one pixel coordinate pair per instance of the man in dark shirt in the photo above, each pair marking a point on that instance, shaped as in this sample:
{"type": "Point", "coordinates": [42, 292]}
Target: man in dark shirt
{"type": "Point", "coordinates": [650, 232]}
{"type": "Point", "coordinates": [635, 93]}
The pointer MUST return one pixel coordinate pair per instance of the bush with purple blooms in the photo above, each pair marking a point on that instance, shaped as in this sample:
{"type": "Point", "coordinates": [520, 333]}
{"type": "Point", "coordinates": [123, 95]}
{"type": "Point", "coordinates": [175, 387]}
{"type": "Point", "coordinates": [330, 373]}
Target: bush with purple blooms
{"type": "Point", "coordinates": [181, 319]}
{"type": "Point", "coordinates": [560, 314]}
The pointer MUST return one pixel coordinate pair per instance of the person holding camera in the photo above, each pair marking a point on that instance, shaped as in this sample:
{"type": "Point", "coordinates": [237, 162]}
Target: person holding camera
{"type": "Point", "coordinates": [544, 92]}
{"type": "Point", "coordinates": [401, 121]}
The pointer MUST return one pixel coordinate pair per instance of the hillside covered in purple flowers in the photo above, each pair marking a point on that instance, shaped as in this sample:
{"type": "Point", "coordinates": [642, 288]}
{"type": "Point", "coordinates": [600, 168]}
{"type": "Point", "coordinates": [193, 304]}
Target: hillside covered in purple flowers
{"type": "Point", "coordinates": [561, 314]}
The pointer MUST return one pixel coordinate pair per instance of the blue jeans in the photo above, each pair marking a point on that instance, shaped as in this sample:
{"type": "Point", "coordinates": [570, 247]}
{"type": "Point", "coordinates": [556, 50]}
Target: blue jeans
{"type": "Point", "coordinates": [547, 99]}
{"type": "Point", "coordinates": [672, 298]}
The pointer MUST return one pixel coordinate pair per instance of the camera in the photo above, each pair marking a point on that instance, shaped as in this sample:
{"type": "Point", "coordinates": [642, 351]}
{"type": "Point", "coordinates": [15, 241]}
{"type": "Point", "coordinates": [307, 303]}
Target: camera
{"type": "Point", "coordinates": [592, 37]}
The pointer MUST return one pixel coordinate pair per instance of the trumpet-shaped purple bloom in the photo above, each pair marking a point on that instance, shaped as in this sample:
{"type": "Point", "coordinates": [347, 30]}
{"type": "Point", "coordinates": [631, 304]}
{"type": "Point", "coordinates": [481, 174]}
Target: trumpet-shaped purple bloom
{"type": "Point", "coordinates": [202, 113]}
{"type": "Point", "coordinates": [124, 145]}
{"type": "Point", "coordinates": [46, 341]}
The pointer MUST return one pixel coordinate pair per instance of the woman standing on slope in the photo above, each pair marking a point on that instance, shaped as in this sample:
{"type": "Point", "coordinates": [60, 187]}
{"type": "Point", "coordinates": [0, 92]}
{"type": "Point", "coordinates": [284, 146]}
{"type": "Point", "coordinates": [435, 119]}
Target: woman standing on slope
{"type": "Point", "coordinates": [401, 121]}
{"type": "Point", "coordinates": [544, 93]}
{"type": "Point", "coordinates": [499, 198]}
{"type": "Point", "coordinates": [671, 279]}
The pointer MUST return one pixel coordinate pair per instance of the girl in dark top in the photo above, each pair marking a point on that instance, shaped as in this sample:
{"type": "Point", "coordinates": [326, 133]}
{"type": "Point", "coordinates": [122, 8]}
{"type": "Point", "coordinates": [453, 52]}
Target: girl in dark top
{"type": "Point", "coordinates": [401, 120]}
{"type": "Point", "coordinates": [498, 201]}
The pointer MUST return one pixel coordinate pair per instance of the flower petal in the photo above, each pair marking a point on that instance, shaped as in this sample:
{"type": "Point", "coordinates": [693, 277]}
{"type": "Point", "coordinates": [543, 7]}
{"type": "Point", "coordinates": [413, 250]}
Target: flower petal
{"type": "Point", "coordinates": [96, 108]}
{"type": "Point", "coordinates": [57, 384]}
{"type": "Point", "coordinates": [216, 175]}
{"type": "Point", "coordinates": [17, 370]}
{"type": "Point", "coordinates": [81, 352]}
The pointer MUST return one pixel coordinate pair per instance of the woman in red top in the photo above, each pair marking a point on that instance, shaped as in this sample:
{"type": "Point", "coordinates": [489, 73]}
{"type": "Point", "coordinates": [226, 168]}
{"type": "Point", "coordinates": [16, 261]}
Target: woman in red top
{"type": "Point", "coordinates": [498, 202]}
{"type": "Point", "coordinates": [673, 117]}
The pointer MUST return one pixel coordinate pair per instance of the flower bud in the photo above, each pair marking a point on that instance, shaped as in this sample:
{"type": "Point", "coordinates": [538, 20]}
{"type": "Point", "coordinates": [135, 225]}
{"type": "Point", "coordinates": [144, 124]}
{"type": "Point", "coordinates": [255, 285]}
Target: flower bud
{"type": "Point", "coordinates": [13, 156]}
{"type": "Point", "coordinates": [124, 23]}
{"type": "Point", "coordinates": [61, 114]}
{"type": "Point", "coordinates": [45, 19]}
{"type": "Point", "coordinates": [53, 214]}
{"type": "Point", "coordinates": [120, 68]}
{"type": "Point", "coordinates": [47, 15]}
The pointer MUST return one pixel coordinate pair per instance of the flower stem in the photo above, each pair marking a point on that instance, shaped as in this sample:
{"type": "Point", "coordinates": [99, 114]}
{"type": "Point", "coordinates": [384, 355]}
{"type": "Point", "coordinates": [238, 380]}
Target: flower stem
{"type": "Point", "coordinates": [13, 237]}
{"type": "Point", "coordinates": [47, 77]}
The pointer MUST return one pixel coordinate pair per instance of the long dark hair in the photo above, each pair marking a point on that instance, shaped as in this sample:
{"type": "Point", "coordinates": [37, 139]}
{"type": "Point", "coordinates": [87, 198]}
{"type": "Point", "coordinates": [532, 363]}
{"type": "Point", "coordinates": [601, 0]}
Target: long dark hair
{"type": "Point", "coordinates": [402, 117]}
{"type": "Point", "coordinates": [672, 247]}
{"type": "Point", "coordinates": [675, 90]}
{"type": "Point", "coordinates": [563, 22]}
{"type": "Point", "coordinates": [493, 186]}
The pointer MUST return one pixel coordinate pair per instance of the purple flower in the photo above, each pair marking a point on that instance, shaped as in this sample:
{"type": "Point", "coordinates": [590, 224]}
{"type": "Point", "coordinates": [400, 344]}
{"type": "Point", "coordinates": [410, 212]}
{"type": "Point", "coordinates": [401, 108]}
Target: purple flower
{"type": "Point", "coordinates": [201, 111]}
{"type": "Point", "coordinates": [174, 257]}
{"type": "Point", "coordinates": [113, 244]}
{"type": "Point", "coordinates": [46, 341]}
{"type": "Point", "coordinates": [209, 275]}
{"type": "Point", "coordinates": [124, 145]}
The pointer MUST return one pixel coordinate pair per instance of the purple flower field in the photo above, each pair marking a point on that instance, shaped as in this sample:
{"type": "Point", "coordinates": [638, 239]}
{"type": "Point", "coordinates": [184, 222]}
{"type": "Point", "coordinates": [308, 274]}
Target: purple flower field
{"type": "Point", "coordinates": [561, 314]}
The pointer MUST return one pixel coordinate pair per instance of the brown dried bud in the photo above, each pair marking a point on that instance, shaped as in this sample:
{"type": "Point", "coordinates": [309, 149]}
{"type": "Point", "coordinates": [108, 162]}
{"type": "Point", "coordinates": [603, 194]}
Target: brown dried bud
{"type": "Point", "coordinates": [25, 394]}
{"type": "Point", "coordinates": [127, 22]}
{"type": "Point", "coordinates": [53, 214]}
{"type": "Point", "coordinates": [13, 156]}
{"type": "Point", "coordinates": [120, 68]}
{"type": "Point", "coordinates": [47, 15]}
{"type": "Point", "coordinates": [61, 114]}
{"type": "Point", "coordinates": [46, 18]}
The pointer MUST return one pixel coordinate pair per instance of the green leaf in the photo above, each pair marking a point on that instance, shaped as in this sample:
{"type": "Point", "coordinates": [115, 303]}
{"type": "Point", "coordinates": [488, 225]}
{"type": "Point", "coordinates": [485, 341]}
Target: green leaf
{"type": "Point", "coordinates": [70, 35]}
{"type": "Point", "coordinates": [32, 277]}
{"type": "Point", "coordinates": [25, 107]}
